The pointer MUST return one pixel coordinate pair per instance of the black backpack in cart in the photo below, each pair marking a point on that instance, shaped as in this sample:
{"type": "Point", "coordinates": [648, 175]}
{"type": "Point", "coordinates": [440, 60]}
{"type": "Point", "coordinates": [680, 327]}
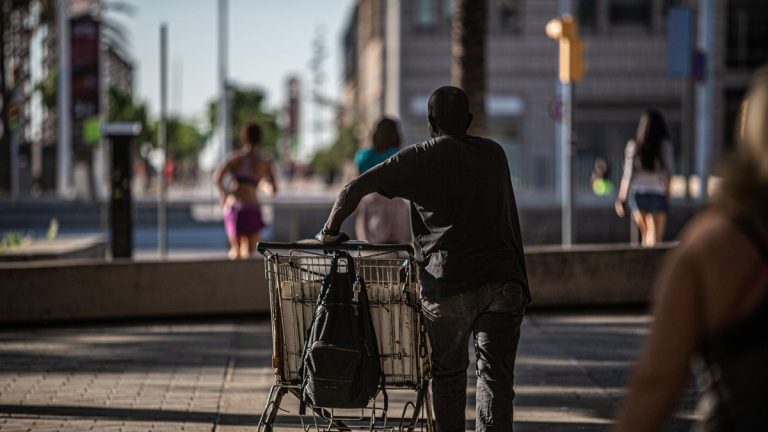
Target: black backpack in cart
{"type": "Point", "coordinates": [341, 366]}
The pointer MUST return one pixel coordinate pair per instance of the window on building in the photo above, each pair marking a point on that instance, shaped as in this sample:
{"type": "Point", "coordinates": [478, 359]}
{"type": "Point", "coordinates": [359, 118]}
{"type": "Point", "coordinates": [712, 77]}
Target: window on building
{"type": "Point", "coordinates": [425, 13]}
{"type": "Point", "coordinates": [587, 14]}
{"type": "Point", "coordinates": [505, 130]}
{"type": "Point", "coordinates": [509, 12]}
{"type": "Point", "coordinates": [632, 13]}
{"type": "Point", "coordinates": [747, 34]}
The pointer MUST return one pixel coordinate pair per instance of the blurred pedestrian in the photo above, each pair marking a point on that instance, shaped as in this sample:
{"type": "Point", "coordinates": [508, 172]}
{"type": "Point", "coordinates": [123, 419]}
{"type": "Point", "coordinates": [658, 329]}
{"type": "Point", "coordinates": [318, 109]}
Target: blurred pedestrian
{"type": "Point", "coordinates": [648, 166]}
{"type": "Point", "coordinates": [379, 219]}
{"type": "Point", "coordinates": [469, 247]}
{"type": "Point", "coordinates": [247, 167]}
{"type": "Point", "coordinates": [601, 178]}
{"type": "Point", "coordinates": [712, 300]}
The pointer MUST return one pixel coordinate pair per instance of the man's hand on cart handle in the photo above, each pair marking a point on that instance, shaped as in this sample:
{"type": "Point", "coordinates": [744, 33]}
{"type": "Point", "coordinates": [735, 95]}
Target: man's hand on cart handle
{"type": "Point", "coordinates": [328, 237]}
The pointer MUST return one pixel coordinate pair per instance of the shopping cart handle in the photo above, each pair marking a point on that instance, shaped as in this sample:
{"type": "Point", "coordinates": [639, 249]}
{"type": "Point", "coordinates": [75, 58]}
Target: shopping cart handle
{"type": "Point", "coordinates": [352, 245]}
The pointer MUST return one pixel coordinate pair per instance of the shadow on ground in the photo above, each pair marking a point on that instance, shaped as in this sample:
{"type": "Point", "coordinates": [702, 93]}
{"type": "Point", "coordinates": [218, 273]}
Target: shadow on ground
{"type": "Point", "coordinates": [571, 372]}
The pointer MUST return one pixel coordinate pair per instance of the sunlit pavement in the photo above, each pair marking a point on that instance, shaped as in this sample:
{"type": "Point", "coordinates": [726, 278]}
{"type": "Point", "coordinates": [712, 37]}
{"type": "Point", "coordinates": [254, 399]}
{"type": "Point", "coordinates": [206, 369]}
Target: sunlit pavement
{"type": "Point", "coordinates": [214, 375]}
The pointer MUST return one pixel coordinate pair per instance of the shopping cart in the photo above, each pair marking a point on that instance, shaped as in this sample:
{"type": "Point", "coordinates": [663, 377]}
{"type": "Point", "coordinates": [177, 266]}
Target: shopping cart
{"type": "Point", "coordinates": [295, 272]}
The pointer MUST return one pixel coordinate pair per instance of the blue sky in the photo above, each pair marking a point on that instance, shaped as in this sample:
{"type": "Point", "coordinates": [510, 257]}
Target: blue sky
{"type": "Point", "coordinates": [269, 39]}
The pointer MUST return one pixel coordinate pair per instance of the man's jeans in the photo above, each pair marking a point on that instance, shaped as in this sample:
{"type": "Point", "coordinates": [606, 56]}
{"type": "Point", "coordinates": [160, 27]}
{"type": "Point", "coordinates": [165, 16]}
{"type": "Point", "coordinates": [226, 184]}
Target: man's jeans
{"type": "Point", "coordinates": [493, 314]}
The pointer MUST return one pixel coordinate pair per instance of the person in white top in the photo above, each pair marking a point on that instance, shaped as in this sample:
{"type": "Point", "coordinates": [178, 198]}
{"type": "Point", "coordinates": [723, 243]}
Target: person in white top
{"type": "Point", "coordinates": [648, 166]}
{"type": "Point", "coordinates": [380, 219]}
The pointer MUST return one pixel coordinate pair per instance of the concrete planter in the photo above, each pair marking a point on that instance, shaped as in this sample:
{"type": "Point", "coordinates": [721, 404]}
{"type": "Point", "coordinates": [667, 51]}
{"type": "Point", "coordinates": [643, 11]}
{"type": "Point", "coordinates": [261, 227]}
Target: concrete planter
{"type": "Point", "coordinates": [81, 247]}
{"type": "Point", "coordinates": [88, 289]}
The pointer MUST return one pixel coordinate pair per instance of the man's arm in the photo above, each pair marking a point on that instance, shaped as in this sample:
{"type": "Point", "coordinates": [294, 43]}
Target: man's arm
{"type": "Point", "coordinates": [395, 177]}
{"type": "Point", "coordinates": [348, 200]}
{"type": "Point", "coordinates": [515, 216]}
{"type": "Point", "coordinates": [514, 219]}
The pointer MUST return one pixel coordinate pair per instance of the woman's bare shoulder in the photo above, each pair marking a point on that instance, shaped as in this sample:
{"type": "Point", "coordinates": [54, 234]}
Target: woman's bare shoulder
{"type": "Point", "coordinates": [235, 156]}
{"type": "Point", "coordinates": [710, 235]}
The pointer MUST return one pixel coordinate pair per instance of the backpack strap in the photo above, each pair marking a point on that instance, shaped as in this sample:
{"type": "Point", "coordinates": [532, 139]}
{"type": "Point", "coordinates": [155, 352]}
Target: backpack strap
{"type": "Point", "coordinates": [302, 404]}
{"type": "Point", "coordinates": [382, 376]}
{"type": "Point", "coordinates": [384, 392]}
{"type": "Point", "coordinates": [302, 371]}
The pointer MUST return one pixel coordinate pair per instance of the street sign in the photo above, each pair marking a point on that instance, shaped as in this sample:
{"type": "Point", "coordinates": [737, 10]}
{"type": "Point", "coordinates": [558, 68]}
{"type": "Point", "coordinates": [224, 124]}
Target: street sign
{"type": "Point", "coordinates": [555, 109]}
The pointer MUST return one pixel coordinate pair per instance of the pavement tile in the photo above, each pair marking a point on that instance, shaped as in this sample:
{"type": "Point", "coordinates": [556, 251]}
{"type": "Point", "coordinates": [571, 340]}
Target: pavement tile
{"type": "Point", "coordinates": [571, 371]}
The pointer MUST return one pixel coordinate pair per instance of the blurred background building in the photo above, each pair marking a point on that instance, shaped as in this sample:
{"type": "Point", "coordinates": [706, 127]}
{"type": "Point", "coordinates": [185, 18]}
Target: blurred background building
{"type": "Point", "coordinates": [398, 52]}
{"type": "Point", "coordinates": [99, 63]}
{"type": "Point", "coordinates": [394, 53]}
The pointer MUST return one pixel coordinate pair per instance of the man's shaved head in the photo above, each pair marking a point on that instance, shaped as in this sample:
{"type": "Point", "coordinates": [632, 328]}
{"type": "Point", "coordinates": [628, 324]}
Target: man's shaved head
{"type": "Point", "coordinates": [449, 111]}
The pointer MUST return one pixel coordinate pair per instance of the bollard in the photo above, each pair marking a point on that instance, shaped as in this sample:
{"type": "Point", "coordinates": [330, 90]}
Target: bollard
{"type": "Point", "coordinates": [121, 136]}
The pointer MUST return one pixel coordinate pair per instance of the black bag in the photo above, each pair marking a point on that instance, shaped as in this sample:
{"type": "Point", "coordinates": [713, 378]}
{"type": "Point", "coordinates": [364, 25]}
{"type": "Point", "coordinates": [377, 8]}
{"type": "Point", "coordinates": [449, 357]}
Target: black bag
{"type": "Point", "coordinates": [341, 367]}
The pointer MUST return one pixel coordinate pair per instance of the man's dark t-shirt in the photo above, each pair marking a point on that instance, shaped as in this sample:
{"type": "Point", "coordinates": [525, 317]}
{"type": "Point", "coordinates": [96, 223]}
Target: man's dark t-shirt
{"type": "Point", "coordinates": [464, 217]}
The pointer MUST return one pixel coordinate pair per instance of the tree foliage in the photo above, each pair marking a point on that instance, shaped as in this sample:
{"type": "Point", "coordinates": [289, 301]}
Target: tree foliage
{"type": "Point", "coordinates": [184, 139]}
{"type": "Point", "coordinates": [47, 86]}
{"type": "Point", "coordinates": [247, 105]}
{"type": "Point", "coordinates": [343, 149]}
{"type": "Point", "coordinates": [122, 108]}
{"type": "Point", "coordinates": [468, 71]}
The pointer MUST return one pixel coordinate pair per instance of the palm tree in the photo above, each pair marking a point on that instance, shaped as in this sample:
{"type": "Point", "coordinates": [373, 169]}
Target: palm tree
{"type": "Point", "coordinates": [470, 28]}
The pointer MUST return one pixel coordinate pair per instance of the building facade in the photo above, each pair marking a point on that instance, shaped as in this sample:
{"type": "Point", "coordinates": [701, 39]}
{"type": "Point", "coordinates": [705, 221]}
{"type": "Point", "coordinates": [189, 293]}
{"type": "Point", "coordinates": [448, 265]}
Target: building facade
{"type": "Point", "coordinates": [397, 52]}
{"type": "Point", "coordinates": [32, 60]}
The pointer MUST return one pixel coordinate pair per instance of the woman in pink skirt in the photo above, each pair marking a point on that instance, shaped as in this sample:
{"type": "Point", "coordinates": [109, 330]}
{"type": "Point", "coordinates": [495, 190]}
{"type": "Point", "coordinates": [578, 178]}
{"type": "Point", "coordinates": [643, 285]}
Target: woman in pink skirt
{"type": "Point", "coordinates": [242, 211]}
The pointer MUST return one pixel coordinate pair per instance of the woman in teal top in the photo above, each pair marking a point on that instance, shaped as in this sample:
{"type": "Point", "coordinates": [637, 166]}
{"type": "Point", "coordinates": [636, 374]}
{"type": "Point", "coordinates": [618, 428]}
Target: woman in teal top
{"type": "Point", "coordinates": [386, 142]}
{"type": "Point", "coordinates": [381, 220]}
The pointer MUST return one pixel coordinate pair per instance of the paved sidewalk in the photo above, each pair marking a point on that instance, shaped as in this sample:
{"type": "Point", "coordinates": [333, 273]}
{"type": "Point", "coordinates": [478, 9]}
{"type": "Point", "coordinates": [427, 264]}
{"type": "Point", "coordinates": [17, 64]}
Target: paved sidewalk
{"type": "Point", "coordinates": [214, 375]}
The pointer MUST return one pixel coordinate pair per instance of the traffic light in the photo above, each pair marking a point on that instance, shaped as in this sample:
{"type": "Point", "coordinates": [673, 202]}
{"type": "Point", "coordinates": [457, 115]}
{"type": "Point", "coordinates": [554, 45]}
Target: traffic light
{"type": "Point", "coordinates": [572, 64]}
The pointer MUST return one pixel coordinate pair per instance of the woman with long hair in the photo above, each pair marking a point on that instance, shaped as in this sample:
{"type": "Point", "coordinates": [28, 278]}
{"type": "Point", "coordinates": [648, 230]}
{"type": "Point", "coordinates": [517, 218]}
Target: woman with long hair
{"type": "Point", "coordinates": [648, 166]}
{"type": "Point", "coordinates": [712, 300]}
{"type": "Point", "coordinates": [381, 220]}
{"type": "Point", "coordinates": [242, 212]}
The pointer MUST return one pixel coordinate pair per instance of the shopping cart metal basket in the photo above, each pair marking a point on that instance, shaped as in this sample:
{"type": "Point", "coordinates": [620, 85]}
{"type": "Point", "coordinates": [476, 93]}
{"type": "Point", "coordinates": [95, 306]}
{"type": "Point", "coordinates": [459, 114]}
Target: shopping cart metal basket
{"type": "Point", "coordinates": [295, 272]}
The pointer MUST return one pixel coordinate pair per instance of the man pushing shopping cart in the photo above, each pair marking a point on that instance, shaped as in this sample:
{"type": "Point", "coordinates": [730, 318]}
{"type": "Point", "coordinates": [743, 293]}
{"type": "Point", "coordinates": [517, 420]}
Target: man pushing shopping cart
{"type": "Point", "coordinates": [467, 242]}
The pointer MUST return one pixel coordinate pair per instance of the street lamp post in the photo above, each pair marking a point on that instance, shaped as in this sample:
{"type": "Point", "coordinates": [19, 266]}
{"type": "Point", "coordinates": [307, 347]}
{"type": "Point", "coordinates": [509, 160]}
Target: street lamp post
{"type": "Point", "coordinates": [162, 224]}
{"type": "Point", "coordinates": [64, 113]}
{"type": "Point", "coordinates": [224, 116]}
{"type": "Point", "coordinates": [571, 69]}
{"type": "Point", "coordinates": [706, 93]}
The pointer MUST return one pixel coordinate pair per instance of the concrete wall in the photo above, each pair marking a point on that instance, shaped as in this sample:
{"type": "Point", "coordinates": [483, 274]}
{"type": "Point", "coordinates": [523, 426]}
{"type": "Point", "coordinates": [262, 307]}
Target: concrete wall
{"type": "Point", "coordinates": [596, 223]}
{"type": "Point", "coordinates": [78, 290]}
{"type": "Point", "coordinates": [96, 290]}
{"type": "Point", "coordinates": [593, 275]}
